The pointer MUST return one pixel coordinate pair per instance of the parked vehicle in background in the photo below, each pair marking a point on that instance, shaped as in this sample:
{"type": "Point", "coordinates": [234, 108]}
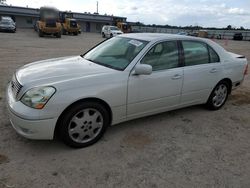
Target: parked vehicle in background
{"type": "Point", "coordinates": [238, 36]}
{"type": "Point", "coordinates": [110, 31]}
{"type": "Point", "coordinates": [194, 34]}
{"type": "Point", "coordinates": [8, 18]}
{"type": "Point", "coordinates": [48, 23]}
{"type": "Point", "coordinates": [183, 33]}
{"type": "Point", "coordinates": [69, 24]}
{"type": "Point", "coordinates": [203, 34]}
{"type": "Point", "coordinates": [124, 27]}
{"type": "Point", "coordinates": [123, 78]}
{"type": "Point", "coordinates": [7, 26]}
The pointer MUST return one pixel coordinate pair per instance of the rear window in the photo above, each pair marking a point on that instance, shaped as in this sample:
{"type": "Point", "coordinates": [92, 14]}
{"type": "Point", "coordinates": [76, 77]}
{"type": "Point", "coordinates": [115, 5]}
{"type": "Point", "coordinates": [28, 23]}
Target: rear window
{"type": "Point", "coordinates": [214, 58]}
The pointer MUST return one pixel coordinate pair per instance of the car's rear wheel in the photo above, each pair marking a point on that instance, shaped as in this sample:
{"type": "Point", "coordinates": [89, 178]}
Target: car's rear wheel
{"type": "Point", "coordinates": [219, 96]}
{"type": "Point", "coordinates": [103, 35]}
{"type": "Point", "coordinates": [84, 124]}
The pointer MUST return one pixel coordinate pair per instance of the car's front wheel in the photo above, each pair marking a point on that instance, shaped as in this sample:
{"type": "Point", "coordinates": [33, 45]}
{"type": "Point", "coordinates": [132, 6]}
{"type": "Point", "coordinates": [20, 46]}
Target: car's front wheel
{"type": "Point", "coordinates": [84, 124]}
{"type": "Point", "coordinates": [219, 96]}
{"type": "Point", "coordinates": [58, 35]}
{"type": "Point", "coordinates": [40, 33]}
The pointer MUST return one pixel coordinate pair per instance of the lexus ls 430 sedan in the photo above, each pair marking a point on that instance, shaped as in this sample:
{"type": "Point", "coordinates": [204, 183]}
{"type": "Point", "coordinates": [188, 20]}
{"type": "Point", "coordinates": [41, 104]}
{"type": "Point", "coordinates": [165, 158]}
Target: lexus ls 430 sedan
{"type": "Point", "coordinates": [123, 78]}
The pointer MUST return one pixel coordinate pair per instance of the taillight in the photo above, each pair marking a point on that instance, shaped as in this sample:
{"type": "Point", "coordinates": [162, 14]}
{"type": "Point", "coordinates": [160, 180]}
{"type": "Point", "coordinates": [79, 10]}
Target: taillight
{"type": "Point", "coordinates": [246, 70]}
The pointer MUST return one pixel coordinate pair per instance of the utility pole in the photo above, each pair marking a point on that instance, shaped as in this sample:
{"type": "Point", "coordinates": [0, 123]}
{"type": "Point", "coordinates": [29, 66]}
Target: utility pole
{"type": "Point", "coordinates": [97, 7]}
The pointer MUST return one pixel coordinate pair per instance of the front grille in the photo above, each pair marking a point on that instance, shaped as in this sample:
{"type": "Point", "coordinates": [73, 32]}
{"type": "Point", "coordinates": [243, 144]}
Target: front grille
{"type": "Point", "coordinates": [50, 23]}
{"type": "Point", "coordinates": [15, 86]}
{"type": "Point", "coordinates": [73, 24]}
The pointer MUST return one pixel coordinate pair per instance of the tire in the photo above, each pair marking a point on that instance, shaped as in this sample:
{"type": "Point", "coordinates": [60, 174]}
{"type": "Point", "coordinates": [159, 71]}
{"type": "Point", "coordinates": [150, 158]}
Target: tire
{"type": "Point", "coordinates": [58, 35]}
{"type": "Point", "coordinates": [103, 35]}
{"type": "Point", "coordinates": [64, 32]}
{"type": "Point", "coordinates": [111, 35]}
{"type": "Point", "coordinates": [219, 96]}
{"type": "Point", "coordinates": [83, 124]}
{"type": "Point", "coordinates": [75, 33]}
{"type": "Point", "coordinates": [40, 33]}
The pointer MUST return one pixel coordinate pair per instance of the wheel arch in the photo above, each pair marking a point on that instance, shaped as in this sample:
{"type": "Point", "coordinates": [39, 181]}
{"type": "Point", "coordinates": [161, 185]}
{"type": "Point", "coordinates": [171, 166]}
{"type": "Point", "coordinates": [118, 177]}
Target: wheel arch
{"type": "Point", "coordinates": [90, 99]}
{"type": "Point", "coordinates": [225, 80]}
{"type": "Point", "coordinates": [229, 81]}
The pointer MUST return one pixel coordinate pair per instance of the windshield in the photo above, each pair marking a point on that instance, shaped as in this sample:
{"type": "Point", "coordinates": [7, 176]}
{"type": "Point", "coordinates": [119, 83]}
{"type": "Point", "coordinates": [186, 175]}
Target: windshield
{"type": "Point", "coordinates": [114, 28]}
{"type": "Point", "coordinates": [116, 53]}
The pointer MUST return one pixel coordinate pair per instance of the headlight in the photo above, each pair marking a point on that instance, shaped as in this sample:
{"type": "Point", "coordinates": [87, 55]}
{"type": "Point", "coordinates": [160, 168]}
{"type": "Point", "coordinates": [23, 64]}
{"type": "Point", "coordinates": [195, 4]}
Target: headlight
{"type": "Point", "coordinates": [38, 97]}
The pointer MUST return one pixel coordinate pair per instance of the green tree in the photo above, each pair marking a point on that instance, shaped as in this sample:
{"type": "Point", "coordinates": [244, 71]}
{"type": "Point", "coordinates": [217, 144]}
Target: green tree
{"type": "Point", "coordinates": [242, 28]}
{"type": "Point", "coordinates": [229, 27]}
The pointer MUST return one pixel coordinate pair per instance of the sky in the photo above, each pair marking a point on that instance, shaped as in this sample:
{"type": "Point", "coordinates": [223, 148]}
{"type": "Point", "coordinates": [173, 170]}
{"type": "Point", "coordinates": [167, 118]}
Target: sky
{"type": "Point", "coordinates": [206, 13]}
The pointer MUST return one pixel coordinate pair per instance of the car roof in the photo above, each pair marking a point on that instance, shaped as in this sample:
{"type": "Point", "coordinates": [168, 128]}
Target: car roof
{"type": "Point", "coordinates": [159, 36]}
{"type": "Point", "coordinates": [156, 37]}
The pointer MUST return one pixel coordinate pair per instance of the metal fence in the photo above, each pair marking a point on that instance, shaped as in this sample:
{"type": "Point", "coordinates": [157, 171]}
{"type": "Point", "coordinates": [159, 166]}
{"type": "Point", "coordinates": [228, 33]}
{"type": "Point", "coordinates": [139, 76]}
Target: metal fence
{"type": "Point", "coordinates": [224, 34]}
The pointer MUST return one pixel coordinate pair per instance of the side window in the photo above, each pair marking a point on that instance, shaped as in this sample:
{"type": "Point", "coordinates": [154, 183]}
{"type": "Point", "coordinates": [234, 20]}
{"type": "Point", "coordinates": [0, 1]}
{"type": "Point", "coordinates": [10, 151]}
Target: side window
{"type": "Point", "coordinates": [214, 58]}
{"type": "Point", "coordinates": [195, 53]}
{"type": "Point", "coordinates": [162, 56]}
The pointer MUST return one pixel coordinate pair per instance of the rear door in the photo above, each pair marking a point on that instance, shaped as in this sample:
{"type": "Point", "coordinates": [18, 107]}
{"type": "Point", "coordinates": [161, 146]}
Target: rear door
{"type": "Point", "coordinates": [201, 72]}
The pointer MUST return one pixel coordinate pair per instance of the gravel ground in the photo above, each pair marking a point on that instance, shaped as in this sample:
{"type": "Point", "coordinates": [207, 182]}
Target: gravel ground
{"type": "Point", "coordinates": [191, 147]}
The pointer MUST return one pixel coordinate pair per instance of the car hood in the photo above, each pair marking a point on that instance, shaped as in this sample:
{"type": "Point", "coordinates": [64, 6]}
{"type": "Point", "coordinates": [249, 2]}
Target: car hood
{"type": "Point", "coordinates": [59, 70]}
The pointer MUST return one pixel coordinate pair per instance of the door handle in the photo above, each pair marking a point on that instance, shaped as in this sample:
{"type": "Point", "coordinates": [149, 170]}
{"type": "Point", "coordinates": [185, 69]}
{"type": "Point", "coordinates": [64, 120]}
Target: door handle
{"type": "Point", "coordinates": [176, 77]}
{"type": "Point", "coordinates": [214, 70]}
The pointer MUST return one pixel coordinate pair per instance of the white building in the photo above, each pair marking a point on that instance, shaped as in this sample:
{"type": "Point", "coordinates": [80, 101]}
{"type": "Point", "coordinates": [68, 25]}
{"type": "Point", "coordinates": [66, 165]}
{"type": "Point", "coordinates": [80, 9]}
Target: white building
{"type": "Point", "coordinates": [27, 17]}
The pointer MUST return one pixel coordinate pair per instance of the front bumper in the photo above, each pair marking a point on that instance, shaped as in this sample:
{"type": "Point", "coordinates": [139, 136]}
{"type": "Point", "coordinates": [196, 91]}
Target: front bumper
{"type": "Point", "coordinates": [8, 29]}
{"type": "Point", "coordinates": [116, 34]}
{"type": "Point", "coordinates": [51, 30]}
{"type": "Point", "coordinates": [40, 129]}
{"type": "Point", "coordinates": [73, 30]}
{"type": "Point", "coordinates": [33, 129]}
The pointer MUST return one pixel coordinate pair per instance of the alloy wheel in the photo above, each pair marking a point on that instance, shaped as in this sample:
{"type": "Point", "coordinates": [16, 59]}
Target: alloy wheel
{"type": "Point", "coordinates": [85, 125]}
{"type": "Point", "coordinates": [220, 95]}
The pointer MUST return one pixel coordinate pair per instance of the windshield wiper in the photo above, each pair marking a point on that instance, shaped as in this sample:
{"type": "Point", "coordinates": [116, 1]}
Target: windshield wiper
{"type": "Point", "coordinates": [103, 64]}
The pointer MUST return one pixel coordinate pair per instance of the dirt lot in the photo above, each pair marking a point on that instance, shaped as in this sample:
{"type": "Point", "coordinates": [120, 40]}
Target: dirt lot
{"type": "Point", "coordinates": [191, 147]}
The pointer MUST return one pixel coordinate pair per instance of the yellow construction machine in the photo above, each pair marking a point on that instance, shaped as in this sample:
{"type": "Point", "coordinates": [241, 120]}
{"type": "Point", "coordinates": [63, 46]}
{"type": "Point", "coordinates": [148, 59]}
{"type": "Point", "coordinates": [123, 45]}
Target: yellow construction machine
{"type": "Point", "coordinates": [69, 24]}
{"type": "Point", "coordinates": [48, 23]}
{"type": "Point", "coordinates": [124, 27]}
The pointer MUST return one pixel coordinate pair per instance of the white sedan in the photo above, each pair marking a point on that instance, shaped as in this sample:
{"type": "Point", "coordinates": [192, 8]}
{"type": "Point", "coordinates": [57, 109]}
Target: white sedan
{"type": "Point", "coordinates": [123, 78]}
{"type": "Point", "coordinates": [110, 31]}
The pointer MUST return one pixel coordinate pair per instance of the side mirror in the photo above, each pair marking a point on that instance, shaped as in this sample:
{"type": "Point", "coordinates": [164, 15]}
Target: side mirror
{"type": "Point", "coordinates": [143, 69]}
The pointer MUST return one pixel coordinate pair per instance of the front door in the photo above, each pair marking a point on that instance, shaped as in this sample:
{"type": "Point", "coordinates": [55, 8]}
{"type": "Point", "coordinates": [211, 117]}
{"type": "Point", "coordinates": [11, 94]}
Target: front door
{"type": "Point", "coordinates": [160, 91]}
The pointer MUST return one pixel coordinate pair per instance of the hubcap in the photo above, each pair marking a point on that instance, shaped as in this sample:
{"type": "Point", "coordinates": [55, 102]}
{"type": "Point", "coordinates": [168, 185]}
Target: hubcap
{"type": "Point", "coordinates": [85, 125]}
{"type": "Point", "coordinates": [220, 95]}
